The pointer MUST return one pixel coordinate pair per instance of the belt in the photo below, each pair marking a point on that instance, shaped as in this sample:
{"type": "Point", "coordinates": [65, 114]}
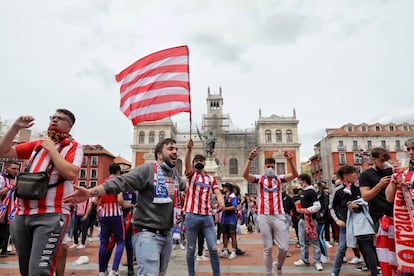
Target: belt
{"type": "Point", "coordinates": [155, 231]}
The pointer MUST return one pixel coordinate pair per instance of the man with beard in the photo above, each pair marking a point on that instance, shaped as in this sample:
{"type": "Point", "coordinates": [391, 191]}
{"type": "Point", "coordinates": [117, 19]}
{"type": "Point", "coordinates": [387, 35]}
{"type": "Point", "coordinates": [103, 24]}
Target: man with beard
{"type": "Point", "coordinates": [158, 186]}
{"type": "Point", "coordinates": [40, 224]}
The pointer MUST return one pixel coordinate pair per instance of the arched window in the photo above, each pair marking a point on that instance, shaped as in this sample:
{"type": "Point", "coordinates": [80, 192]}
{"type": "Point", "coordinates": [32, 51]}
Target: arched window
{"type": "Point", "coordinates": [233, 166]}
{"type": "Point", "coordinates": [151, 137]}
{"type": "Point", "coordinates": [289, 137]}
{"type": "Point", "coordinates": [278, 136]}
{"type": "Point", "coordinates": [268, 136]}
{"type": "Point", "coordinates": [141, 137]}
{"type": "Point", "coordinates": [162, 135]}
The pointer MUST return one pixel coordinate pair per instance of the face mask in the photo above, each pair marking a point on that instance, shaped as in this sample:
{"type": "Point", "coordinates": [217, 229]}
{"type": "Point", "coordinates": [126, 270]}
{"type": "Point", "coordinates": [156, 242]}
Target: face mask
{"type": "Point", "coordinates": [57, 135]}
{"type": "Point", "coordinates": [270, 172]}
{"type": "Point", "coordinates": [199, 166]}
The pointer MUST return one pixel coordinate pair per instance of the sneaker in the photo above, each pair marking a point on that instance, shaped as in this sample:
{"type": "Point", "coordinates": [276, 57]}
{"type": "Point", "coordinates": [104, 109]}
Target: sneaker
{"type": "Point", "coordinates": [102, 274]}
{"type": "Point", "coordinates": [80, 246]}
{"type": "Point", "coordinates": [182, 247]}
{"type": "Point", "coordinates": [300, 262]}
{"type": "Point", "coordinates": [319, 267]}
{"type": "Point", "coordinates": [361, 268]}
{"type": "Point", "coordinates": [277, 271]}
{"type": "Point", "coordinates": [113, 273]}
{"type": "Point", "coordinates": [218, 241]}
{"type": "Point", "coordinates": [202, 258]}
{"type": "Point", "coordinates": [325, 259]}
{"type": "Point", "coordinates": [355, 260]}
{"type": "Point", "coordinates": [240, 252]}
{"type": "Point", "coordinates": [233, 255]}
{"type": "Point", "coordinates": [173, 246]}
{"type": "Point", "coordinates": [332, 274]}
{"type": "Point", "coordinates": [344, 260]}
{"type": "Point", "coordinates": [90, 239]}
{"type": "Point", "coordinates": [74, 245]}
{"type": "Point", "coordinates": [328, 244]}
{"type": "Point", "coordinates": [224, 253]}
{"type": "Point", "coordinates": [288, 254]}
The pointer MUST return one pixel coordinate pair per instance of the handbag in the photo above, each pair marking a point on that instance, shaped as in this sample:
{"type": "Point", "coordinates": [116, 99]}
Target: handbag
{"type": "Point", "coordinates": [34, 185]}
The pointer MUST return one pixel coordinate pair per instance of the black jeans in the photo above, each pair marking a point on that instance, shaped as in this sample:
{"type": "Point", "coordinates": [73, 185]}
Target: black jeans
{"type": "Point", "coordinates": [366, 246]}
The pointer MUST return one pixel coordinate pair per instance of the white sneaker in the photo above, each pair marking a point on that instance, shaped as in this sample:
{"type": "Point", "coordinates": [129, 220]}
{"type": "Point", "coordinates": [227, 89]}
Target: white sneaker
{"type": "Point", "coordinates": [173, 246]}
{"type": "Point", "coordinates": [202, 258]}
{"type": "Point", "coordinates": [80, 246]}
{"type": "Point", "coordinates": [218, 241]}
{"type": "Point", "coordinates": [328, 244]}
{"type": "Point", "coordinates": [318, 266]}
{"type": "Point", "coordinates": [113, 273]}
{"type": "Point", "coordinates": [233, 254]}
{"type": "Point", "coordinates": [344, 260]}
{"type": "Point", "coordinates": [355, 260]}
{"type": "Point", "coordinates": [277, 271]}
{"type": "Point", "coordinates": [300, 262]}
{"type": "Point", "coordinates": [182, 247]}
{"type": "Point", "coordinates": [102, 274]}
{"type": "Point", "coordinates": [224, 253]}
{"type": "Point", "coordinates": [90, 239]}
{"type": "Point", "coordinates": [325, 259]}
{"type": "Point", "coordinates": [74, 245]}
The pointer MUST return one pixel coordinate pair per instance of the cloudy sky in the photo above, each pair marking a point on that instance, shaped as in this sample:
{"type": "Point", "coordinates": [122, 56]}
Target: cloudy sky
{"type": "Point", "coordinates": [334, 62]}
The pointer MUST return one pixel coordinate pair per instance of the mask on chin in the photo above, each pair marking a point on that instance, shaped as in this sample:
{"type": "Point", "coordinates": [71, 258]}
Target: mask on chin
{"type": "Point", "coordinates": [58, 136]}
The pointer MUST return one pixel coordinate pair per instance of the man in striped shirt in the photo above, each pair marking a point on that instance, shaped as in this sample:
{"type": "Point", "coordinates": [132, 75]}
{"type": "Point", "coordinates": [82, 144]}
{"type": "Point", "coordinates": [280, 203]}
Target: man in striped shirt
{"type": "Point", "coordinates": [197, 208]}
{"type": "Point", "coordinates": [271, 218]}
{"type": "Point", "coordinates": [40, 225]}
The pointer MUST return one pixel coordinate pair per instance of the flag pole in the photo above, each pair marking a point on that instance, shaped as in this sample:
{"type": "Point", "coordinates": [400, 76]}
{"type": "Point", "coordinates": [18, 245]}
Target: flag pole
{"type": "Point", "coordinates": [189, 92]}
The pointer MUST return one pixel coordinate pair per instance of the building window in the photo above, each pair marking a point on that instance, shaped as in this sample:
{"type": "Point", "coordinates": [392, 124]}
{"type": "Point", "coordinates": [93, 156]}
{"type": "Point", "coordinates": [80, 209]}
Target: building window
{"type": "Point", "coordinates": [342, 159]}
{"type": "Point", "coordinates": [268, 136]}
{"type": "Point", "coordinates": [383, 144]}
{"type": "Point", "coordinates": [141, 137]}
{"type": "Point", "coordinates": [94, 160]}
{"type": "Point", "coordinates": [92, 184]}
{"type": "Point", "coordinates": [82, 173]}
{"type": "Point", "coordinates": [278, 136]}
{"type": "Point", "coordinates": [405, 128]}
{"type": "Point", "coordinates": [359, 169]}
{"type": "Point", "coordinates": [233, 166]}
{"type": "Point", "coordinates": [82, 183]}
{"type": "Point", "coordinates": [162, 135]}
{"type": "Point", "coordinates": [364, 128]}
{"type": "Point", "coordinates": [377, 128]}
{"type": "Point", "coordinates": [280, 168]}
{"type": "Point", "coordinates": [369, 144]}
{"type": "Point", "coordinates": [391, 128]}
{"type": "Point", "coordinates": [151, 137]}
{"type": "Point", "coordinates": [289, 138]}
{"type": "Point", "coordinates": [355, 145]}
{"type": "Point", "coordinates": [94, 173]}
{"type": "Point", "coordinates": [358, 158]}
{"type": "Point", "coordinates": [349, 129]}
{"type": "Point", "coordinates": [85, 161]}
{"type": "Point", "coordinates": [398, 145]}
{"type": "Point", "coordinates": [341, 146]}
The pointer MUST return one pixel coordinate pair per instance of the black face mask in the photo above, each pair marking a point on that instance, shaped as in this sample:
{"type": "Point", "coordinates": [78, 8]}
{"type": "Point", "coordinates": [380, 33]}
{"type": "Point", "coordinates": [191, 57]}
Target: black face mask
{"type": "Point", "coordinates": [199, 166]}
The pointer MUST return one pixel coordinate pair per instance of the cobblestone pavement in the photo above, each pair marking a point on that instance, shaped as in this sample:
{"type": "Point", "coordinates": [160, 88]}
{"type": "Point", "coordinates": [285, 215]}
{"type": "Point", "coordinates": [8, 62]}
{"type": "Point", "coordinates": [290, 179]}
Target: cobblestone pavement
{"type": "Point", "coordinates": [250, 264]}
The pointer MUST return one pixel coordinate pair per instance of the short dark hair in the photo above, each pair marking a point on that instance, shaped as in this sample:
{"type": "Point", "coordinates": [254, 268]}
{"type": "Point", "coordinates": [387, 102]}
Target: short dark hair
{"type": "Point", "coordinates": [380, 152]}
{"type": "Point", "coordinates": [114, 168]}
{"type": "Point", "coordinates": [199, 157]}
{"type": "Point", "coordinates": [270, 160]}
{"type": "Point", "coordinates": [345, 169]}
{"type": "Point", "coordinates": [305, 177]}
{"type": "Point", "coordinates": [160, 145]}
{"type": "Point", "coordinates": [11, 162]}
{"type": "Point", "coordinates": [68, 113]}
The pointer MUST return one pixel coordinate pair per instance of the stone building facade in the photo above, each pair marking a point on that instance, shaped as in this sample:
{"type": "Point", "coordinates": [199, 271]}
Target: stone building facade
{"type": "Point", "coordinates": [272, 134]}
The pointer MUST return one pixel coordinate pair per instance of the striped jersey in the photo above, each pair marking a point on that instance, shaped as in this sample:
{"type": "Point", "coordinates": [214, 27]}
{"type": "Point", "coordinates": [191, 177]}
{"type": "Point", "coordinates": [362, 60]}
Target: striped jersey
{"type": "Point", "coordinates": [269, 194]}
{"type": "Point", "coordinates": [109, 205]}
{"type": "Point", "coordinates": [52, 202]}
{"type": "Point", "coordinates": [199, 193]}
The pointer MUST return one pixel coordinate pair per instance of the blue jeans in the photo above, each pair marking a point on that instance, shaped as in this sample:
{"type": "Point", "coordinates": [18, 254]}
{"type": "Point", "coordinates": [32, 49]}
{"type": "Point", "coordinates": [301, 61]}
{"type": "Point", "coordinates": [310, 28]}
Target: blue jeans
{"type": "Point", "coordinates": [304, 251]}
{"type": "Point", "coordinates": [152, 252]}
{"type": "Point", "coordinates": [340, 252]}
{"type": "Point", "coordinates": [204, 223]}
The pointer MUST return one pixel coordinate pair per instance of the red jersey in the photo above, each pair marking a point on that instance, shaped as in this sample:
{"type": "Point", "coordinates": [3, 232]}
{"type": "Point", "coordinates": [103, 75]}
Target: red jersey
{"type": "Point", "coordinates": [269, 195]}
{"type": "Point", "coordinates": [109, 205]}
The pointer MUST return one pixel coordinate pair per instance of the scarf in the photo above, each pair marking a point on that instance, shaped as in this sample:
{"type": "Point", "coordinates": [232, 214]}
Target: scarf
{"type": "Point", "coordinates": [310, 228]}
{"type": "Point", "coordinates": [161, 194]}
{"type": "Point", "coordinates": [404, 221]}
{"type": "Point", "coordinates": [7, 209]}
{"type": "Point", "coordinates": [58, 135]}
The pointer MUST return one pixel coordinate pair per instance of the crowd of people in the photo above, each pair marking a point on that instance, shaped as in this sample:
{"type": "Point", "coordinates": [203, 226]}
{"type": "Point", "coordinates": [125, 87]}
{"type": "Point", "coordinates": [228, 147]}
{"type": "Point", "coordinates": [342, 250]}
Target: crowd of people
{"type": "Point", "coordinates": [150, 209]}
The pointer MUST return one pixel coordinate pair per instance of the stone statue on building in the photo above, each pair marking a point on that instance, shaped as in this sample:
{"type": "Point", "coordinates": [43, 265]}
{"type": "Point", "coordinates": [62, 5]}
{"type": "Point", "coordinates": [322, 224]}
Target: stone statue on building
{"type": "Point", "coordinates": [210, 144]}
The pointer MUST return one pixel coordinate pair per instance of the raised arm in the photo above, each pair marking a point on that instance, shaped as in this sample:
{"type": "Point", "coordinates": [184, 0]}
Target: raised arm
{"type": "Point", "coordinates": [187, 160]}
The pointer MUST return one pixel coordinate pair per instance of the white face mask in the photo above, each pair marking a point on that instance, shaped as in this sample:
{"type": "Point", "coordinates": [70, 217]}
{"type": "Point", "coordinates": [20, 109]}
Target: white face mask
{"type": "Point", "coordinates": [270, 172]}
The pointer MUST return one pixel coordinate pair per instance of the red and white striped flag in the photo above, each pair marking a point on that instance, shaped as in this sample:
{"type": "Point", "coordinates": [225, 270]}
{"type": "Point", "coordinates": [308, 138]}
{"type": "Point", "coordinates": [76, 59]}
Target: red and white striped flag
{"type": "Point", "coordinates": [156, 86]}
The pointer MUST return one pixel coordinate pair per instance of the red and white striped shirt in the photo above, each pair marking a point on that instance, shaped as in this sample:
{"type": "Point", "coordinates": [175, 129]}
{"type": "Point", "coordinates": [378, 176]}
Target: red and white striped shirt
{"type": "Point", "coordinates": [199, 193]}
{"type": "Point", "coordinates": [269, 195]}
{"type": "Point", "coordinates": [109, 205]}
{"type": "Point", "coordinates": [52, 203]}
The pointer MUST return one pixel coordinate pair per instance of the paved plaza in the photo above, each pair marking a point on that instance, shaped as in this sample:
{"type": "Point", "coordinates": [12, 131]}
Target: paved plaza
{"type": "Point", "coordinates": [250, 264]}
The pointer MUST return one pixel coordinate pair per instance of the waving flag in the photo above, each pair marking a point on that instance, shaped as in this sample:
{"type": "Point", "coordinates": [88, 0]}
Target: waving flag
{"type": "Point", "coordinates": [156, 86]}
